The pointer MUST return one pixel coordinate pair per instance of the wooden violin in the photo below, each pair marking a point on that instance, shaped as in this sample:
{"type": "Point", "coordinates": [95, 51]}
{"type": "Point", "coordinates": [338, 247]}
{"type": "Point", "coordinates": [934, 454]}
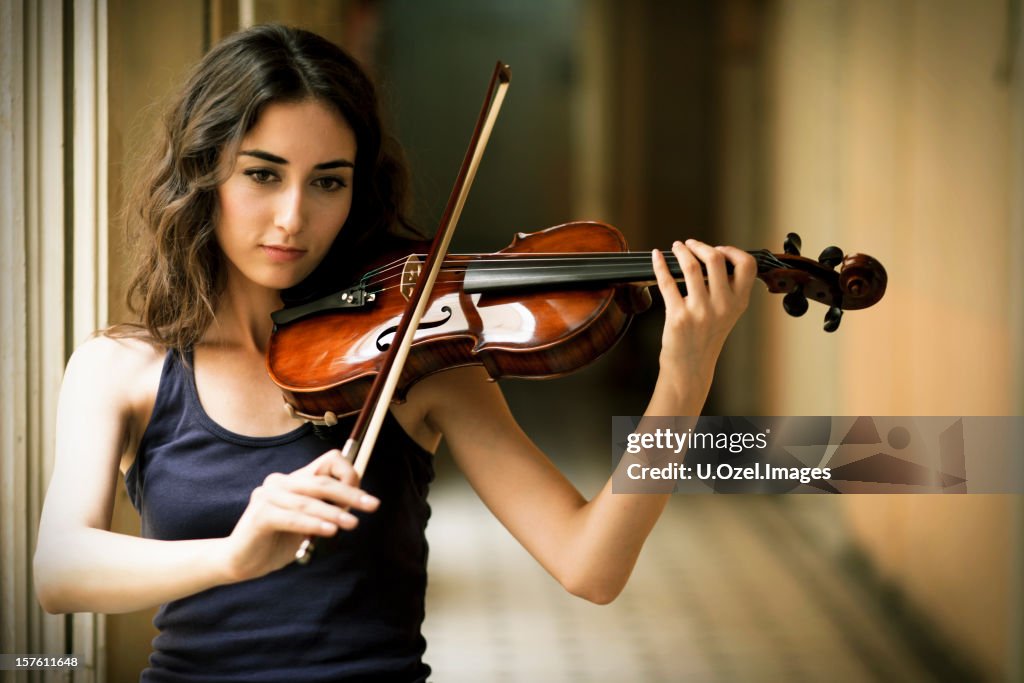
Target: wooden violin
{"type": "Point", "coordinates": [548, 304]}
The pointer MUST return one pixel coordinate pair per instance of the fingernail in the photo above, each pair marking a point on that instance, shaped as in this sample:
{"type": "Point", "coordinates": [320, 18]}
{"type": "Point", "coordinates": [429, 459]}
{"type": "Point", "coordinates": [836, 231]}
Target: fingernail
{"type": "Point", "coordinates": [677, 243]}
{"type": "Point", "coordinates": [328, 527]}
{"type": "Point", "coordinates": [347, 518]}
{"type": "Point", "coordinates": [368, 500]}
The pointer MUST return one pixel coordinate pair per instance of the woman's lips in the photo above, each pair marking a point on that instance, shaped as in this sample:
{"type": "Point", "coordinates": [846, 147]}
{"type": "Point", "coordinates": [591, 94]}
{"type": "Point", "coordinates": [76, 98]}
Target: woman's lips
{"type": "Point", "coordinates": [282, 254]}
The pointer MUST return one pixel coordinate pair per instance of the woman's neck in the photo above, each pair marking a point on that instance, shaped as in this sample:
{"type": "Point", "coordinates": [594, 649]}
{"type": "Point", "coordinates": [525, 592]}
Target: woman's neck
{"type": "Point", "coordinates": [242, 318]}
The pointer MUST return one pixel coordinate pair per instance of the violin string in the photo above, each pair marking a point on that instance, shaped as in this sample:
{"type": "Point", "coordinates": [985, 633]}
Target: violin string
{"type": "Point", "coordinates": [550, 257]}
{"type": "Point", "coordinates": [525, 264]}
{"type": "Point", "coordinates": [766, 260]}
{"type": "Point", "coordinates": [515, 261]}
{"type": "Point", "coordinates": [520, 265]}
{"type": "Point", "coordinates": [439, 281]}
{"type": "Point", "coordinates": [459, 265]}
{"type": "Point", "coordinates": [629, 266]}
{"type": "Point", "coordinates": [387, 266]}
{"type": "Point", "coordinates": [560, 258]}
{"type": "Point", "coordinates": [555, 259]}
{"type": "Point", "coordinates": [384, 283]}
{"type": "Point", "coordinates": [585, 260]}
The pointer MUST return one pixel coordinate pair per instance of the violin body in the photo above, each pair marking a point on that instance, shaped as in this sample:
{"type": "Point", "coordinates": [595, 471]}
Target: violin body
{"type": "Point", "coordinates": [326, 363]}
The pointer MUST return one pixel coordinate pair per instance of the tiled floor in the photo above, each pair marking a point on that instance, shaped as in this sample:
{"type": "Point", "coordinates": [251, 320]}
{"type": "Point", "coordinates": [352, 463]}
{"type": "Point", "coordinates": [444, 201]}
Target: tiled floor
{"type": "Point", "coordinates": [726, 590]}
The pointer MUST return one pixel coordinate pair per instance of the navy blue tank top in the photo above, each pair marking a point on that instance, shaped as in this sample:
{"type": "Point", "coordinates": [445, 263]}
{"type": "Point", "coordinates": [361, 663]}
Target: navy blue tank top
{"type": "Point", "coordinates": [352, 614]}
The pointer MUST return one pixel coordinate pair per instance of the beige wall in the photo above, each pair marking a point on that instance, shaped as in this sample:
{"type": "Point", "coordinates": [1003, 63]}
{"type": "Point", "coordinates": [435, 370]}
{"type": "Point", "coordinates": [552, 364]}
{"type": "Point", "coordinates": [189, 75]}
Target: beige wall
{"type": "Point", "coordinates": [890, 134]}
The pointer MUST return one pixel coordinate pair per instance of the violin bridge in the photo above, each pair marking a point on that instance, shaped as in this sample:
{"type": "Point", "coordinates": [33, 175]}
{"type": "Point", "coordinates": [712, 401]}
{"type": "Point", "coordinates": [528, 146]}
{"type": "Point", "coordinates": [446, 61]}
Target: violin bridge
{"type": "Point", "coordinates": [410, 274]}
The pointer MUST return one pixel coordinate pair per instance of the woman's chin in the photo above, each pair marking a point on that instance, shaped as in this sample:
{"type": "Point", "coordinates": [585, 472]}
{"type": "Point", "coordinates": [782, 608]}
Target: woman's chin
{"type": "Point", "coordinates": [283, 278]}
{"type": "Point", "coordinates": [275, 283]}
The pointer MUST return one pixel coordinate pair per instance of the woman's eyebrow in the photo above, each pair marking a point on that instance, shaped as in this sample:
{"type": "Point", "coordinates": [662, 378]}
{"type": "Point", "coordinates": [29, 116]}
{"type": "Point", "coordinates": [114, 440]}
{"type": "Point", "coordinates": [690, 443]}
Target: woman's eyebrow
{"type": "Point", "coordinates": [337, 163]}
{"type": "Point", "coordinates": [274, 159]}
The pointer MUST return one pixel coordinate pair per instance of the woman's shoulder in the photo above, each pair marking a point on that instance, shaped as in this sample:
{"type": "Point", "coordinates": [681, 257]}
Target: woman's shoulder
{"type": "Point", "coordinates": [123, 367]}
{"type": "Point", "coordinates": [114, 375]}
{"type": "Point", "coordinates": [116, 349]}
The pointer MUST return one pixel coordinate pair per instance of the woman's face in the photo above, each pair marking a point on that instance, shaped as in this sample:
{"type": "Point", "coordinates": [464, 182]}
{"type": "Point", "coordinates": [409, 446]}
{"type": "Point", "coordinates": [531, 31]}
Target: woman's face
{"type": "Point", "coordinates": [288, 194]}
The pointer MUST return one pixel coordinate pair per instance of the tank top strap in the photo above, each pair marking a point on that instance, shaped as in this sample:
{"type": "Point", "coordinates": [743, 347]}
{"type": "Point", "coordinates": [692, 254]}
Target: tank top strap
{"type": "Point", "coordinates": [178, 411]}
{"type": "Point", "coordinates": [170, 398]}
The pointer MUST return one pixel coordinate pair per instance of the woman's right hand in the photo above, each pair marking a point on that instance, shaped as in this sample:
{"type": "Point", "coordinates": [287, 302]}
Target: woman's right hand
{"type": "Point", "coordinates": [311, 501]}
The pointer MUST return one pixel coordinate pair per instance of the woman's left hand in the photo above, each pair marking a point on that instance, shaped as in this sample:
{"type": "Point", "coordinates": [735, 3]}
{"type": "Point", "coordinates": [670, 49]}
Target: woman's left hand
{"type": "Point", "coordinates": [696, 325]}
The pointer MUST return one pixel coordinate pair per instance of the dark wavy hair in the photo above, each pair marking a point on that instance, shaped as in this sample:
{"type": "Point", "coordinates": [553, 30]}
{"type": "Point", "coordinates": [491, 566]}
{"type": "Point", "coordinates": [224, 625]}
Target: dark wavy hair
{"type": "Point", "coordinates": [172, 210]}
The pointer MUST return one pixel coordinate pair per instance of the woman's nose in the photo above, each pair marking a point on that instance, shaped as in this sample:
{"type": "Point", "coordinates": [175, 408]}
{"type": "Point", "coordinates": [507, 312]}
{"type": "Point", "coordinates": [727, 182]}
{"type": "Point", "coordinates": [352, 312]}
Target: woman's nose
{"type": "Point", "coordinates": [290, 211]}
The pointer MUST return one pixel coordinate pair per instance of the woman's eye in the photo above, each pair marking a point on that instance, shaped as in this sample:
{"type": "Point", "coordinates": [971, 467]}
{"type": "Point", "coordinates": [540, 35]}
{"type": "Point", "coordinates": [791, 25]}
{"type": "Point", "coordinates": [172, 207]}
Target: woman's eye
{"type": "Point", "coordinates": [330, 183]}
{"type": "Point", "coordinates": [260, 175]}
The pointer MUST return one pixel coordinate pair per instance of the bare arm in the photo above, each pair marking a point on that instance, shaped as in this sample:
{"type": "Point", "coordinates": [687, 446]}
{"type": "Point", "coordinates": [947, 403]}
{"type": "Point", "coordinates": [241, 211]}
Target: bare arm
{"type": "Point", "coordinates": [591, 547]}
{"type": "Point", "coordinates": [80, 565]}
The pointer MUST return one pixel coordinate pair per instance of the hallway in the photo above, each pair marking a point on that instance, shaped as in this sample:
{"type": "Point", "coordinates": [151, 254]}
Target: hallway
{"type": "Point", "coordinates": [727, 589]}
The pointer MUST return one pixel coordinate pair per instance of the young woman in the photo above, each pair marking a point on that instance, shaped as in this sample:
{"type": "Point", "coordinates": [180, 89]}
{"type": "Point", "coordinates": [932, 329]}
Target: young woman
{"type": "Point", "coordinates": [273, 175]}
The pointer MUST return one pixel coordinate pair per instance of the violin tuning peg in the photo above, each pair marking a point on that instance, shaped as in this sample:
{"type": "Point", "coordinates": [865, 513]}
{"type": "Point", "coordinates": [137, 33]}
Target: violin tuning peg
{"type": "Point", "coordinates": [831, 257]}
{"type": "Point", "coordinates": [792, 244]}
{"type": "Point", "coordinates": [833, 317]}
{"type": "Point", "coordinates": [795, 303]}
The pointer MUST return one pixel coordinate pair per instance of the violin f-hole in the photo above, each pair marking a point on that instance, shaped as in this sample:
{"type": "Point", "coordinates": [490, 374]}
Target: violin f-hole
{"type": "Point", "coordinates": [383, 345]}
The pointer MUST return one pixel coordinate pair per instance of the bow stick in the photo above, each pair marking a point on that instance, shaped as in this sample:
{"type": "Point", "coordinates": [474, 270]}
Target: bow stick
{"type": "Point", "coordinates": [361, 440]}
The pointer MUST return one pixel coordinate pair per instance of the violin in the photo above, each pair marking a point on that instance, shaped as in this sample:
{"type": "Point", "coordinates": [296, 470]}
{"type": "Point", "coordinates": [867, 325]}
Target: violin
{"type": "Point", "coordinates": [550, 303]}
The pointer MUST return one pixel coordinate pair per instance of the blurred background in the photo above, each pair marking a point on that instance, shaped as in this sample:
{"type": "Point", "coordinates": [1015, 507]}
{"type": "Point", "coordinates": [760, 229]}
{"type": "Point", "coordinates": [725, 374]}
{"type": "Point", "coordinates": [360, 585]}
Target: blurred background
{"type": "Point", "coordinates": [888, 127]}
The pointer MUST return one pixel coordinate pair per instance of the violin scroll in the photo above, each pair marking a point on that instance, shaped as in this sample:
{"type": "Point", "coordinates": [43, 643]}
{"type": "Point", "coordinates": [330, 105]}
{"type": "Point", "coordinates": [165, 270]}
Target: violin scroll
{"type": "Point", "coordinates": [859, 282]}
{"type": "Point", "coordinates": [862, 280]}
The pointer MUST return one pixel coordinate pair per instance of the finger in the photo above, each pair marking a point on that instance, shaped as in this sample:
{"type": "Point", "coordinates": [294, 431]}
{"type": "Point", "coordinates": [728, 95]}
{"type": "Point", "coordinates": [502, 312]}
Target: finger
{"type": "Point", "coordinates": [343, 470]}
{"type": "Point", "coordinates": [327, 488]}
{"type": "Point", "coordinates": [314, 507]}
{"type": "Point", "coordinates": [693, 276]}
{"type": "Point", "coordinates": [666, 283]}
{"type": "Point", "coordinates": [294, 522]}
{"type": "Point", "coordinates": [744, 269]}
{"type": "Point", "coordinates": [333, 464]}
{"type": "Point", "coordinates": [321, 464]}
{"type": "Point", "coordinates": [265, 510]}
{"type": "Point", "coordinates": [714, 264]}
{"type": "Point", "coordinates": [338, 482]}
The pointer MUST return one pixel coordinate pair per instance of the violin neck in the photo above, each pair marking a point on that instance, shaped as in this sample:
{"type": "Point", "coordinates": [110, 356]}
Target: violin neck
{"type": "Point", "coordinates": [493, 273]}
